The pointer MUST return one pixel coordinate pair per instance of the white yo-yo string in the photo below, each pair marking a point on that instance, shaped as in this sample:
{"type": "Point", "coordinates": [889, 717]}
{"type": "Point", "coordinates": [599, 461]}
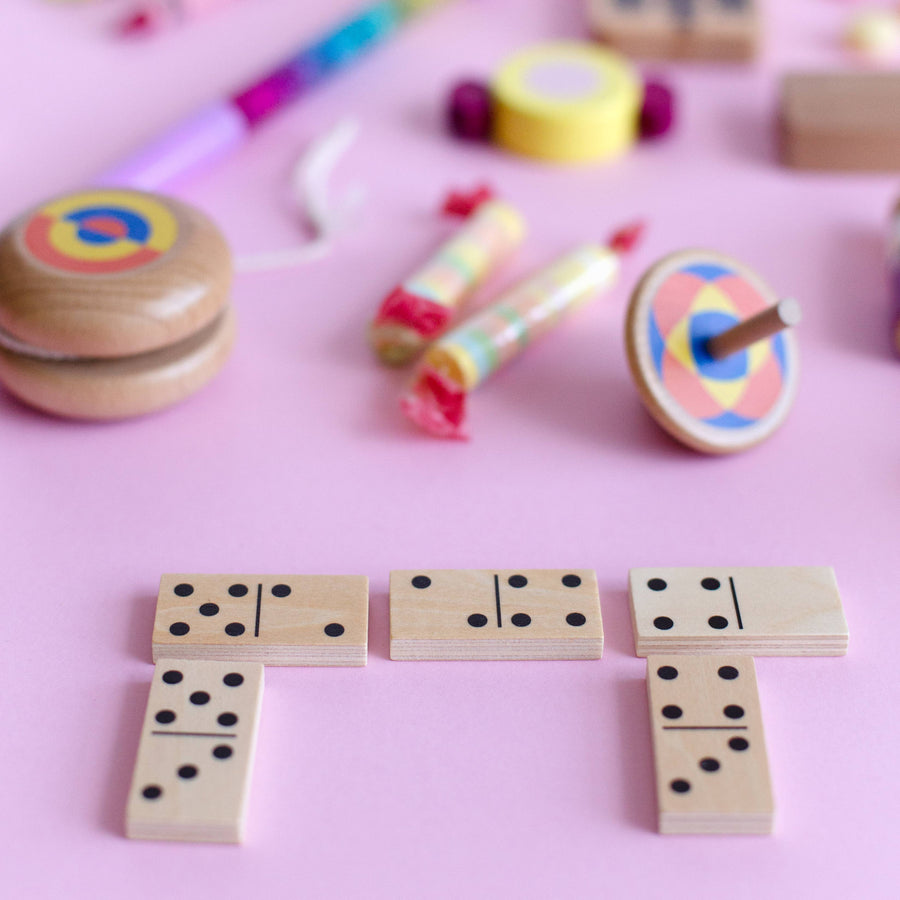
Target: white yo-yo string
{"type": "Point", "coordinates": [310, 187]}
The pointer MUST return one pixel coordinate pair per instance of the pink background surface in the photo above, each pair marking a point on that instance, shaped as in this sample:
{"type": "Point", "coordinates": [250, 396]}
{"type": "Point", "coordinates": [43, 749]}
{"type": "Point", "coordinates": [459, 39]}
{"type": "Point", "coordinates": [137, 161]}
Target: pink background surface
{"type": "Point", "coordinates": [444, 779]}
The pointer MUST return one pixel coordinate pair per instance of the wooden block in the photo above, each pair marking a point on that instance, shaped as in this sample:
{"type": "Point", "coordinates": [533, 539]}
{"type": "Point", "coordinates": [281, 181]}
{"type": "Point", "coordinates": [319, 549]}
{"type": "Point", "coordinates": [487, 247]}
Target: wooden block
{"type": "Point", "coordinates": [766, 611]}
{"type": "Point", "coordinates": [503, 614]}
{"type": "Point", "coordinates": [279, 620]}
{"type": "Point", "coordinates": [192, 777]}
{"type": "Point", "coordinates": [726, 30]}
{"type": "Point", "coordinates": [841, 120]}
{"type": "Point", "coordinates": [712, 772]}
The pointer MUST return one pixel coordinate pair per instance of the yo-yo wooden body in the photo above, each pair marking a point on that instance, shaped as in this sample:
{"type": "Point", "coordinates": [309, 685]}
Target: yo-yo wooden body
{"type": "Point", "coordinates": [113, 303]}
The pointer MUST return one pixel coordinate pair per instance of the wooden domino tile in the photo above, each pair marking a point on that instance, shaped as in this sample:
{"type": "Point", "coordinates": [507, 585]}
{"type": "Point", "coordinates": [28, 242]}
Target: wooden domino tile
{"type": "Point", "coordinates": [774, 611]}
{"type": "Point", "coordinates": [712, 772]}
{"type": "Point", "coordinates": [726, 30]}
{"type": "Point", "coordinates": [195, 760]}
{"type": "Point", "coordinates": [841, 121]}
{"type": "Point", "coordinates": [487, 614]}
{"type": "Point", "coordinates": [279, 620]}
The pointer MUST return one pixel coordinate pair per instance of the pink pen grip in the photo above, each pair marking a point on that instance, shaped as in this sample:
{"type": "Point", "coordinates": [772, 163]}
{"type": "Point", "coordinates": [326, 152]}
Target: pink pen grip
{"type": "Point", "coordinates": [209, 134]}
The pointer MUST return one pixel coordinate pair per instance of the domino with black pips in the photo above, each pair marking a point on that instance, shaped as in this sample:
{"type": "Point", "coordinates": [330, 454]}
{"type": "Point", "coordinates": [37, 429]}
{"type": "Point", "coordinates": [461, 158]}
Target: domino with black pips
{"type": "Point", "coordinates": [722, 30]}
{"type": "Point", "coordinates": [278, 620]}
{"type": "Point", "coordinates": [195, 760]}
{"type": "Point", "coordinates": [712, 770]}
{"type": "Point", "coordinates": [495, 614]}
{"type": "Point", "coordinates": [764, 611]}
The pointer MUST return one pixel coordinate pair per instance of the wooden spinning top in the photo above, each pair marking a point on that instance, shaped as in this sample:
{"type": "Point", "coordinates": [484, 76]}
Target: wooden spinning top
{"type": "Point", "coordinates": [113, 303]}
{"type": "Point", "coordinates": [709, 351]}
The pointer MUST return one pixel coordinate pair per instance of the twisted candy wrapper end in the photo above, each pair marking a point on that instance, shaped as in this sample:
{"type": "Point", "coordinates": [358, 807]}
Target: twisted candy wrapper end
{"type": "Point", "coordinates": [462, 204]}
{"type": "Point", "coordinates": [437, 405]}
{"type": "Point", "coordinates": [422, 315]}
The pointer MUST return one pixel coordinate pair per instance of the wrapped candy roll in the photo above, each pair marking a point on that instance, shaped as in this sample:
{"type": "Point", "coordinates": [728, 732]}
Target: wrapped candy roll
{"type": "Point", "coordinates": [465, 357]}
{"type": "Point", "coordinates": [421, 308]}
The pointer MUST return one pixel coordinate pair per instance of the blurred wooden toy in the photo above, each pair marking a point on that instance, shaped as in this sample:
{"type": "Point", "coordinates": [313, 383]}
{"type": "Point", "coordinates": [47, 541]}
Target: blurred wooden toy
{"type": "Point", "coordinates": [709, 353]}
{"type": "Point", "coordinates": [709, 750]}
{"type": "Point", "coordinates": [564, 102]}
{"type": "Point", "coordinates": [483, 614]}
{"type": "Point", "coordinates": [469, 354]}
{"type": "Point", "coordinates": [421, 309]}
{"type": "Point", "coordinates": [113, 303]}
{"type": "Point", "coordinates": [841, 120]}
{"type": "Point", "coordinates": [279, 620]}
{"type": "Point", "coordinates": [727, 30]}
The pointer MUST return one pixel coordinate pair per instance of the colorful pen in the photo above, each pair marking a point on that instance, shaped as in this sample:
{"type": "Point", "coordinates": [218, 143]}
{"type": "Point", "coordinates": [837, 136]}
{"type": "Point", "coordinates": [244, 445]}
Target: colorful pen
{"type": "Point", "coordinates": [222, 126]}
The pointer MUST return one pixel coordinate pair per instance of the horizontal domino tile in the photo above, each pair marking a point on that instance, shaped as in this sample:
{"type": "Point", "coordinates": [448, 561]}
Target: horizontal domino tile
{"type": "Point", "coordinates": [763, 611]}
{"type": "Point", "coordinates": [278, 620]}
{"type": "Point", "coordinates": [434, 621]}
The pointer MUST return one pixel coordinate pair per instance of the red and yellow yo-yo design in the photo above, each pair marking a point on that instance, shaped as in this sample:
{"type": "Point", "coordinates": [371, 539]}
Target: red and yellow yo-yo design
{"type": "Point", "coordinates": [113, 303]}
{"type": "Point", "coordinates": [100, 232]}
{"type": "Point", "coordinates": [709, 352]}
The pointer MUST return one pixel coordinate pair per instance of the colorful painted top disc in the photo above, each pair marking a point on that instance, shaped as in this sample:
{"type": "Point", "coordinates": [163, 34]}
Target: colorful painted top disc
{"type": "Point", "coordinates": [713, 405]}
{"type": "Point", "coordinates": [97, 232]}
{"type": "Point", "coordinates": [110, 273]}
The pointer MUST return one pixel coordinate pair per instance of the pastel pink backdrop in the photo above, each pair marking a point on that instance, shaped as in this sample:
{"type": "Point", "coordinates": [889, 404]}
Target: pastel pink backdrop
{"type": "Point", "coordinates": [444, 779]}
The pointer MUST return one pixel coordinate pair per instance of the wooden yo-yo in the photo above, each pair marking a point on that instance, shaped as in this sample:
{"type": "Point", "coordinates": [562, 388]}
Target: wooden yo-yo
{"type": "Point", "coordinates": [113, 303]}
{"type": "Point", "coordinates": [709, 351]}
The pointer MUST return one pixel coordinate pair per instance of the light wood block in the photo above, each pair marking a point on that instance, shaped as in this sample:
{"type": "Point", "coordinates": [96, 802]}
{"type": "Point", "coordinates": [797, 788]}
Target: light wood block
{"type": "Point", "coordinates": [846, 121]}
{"type": "Point", "coordinates": [495, 614]}
{"type": "Point", "coordinates": [195, 761]}
{"type": "Point", "coordinates": [765, 611]}
{"type": "Point", "coordinates": [279, 620]}
{"type": "Point", "coordinates": [726, 30]}
{"type": "Point", "coordinates": [712, 772]}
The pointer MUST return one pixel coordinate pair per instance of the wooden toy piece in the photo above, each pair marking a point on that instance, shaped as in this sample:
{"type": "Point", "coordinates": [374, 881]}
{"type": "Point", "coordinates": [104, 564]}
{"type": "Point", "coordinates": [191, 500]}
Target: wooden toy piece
{"type": "Point", "coordinates": [725, 30]}
{"type": "Point", "coordinates": [688, 304]}
{"type": "Point", "coordinates": [112, 303]}
{"type": "Point", "coordinates": [784, 314]}
{"type": "Point", "coordinates": [766, 611]}
{"type": "Point", "coordinates": [712, 771]}
{"type": "Point", "coordinates": [120, 388]}
{"type": "Point", "coordinates": [566, 102]}
{"type": "Point", "coordinates": [846, 121]}
{"type": "Point", "coordinates": [195, 760]}
{"type": "Point", "coordinates": [279, 620]}
{"type": "Point", "coordinates": [484, 614]}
